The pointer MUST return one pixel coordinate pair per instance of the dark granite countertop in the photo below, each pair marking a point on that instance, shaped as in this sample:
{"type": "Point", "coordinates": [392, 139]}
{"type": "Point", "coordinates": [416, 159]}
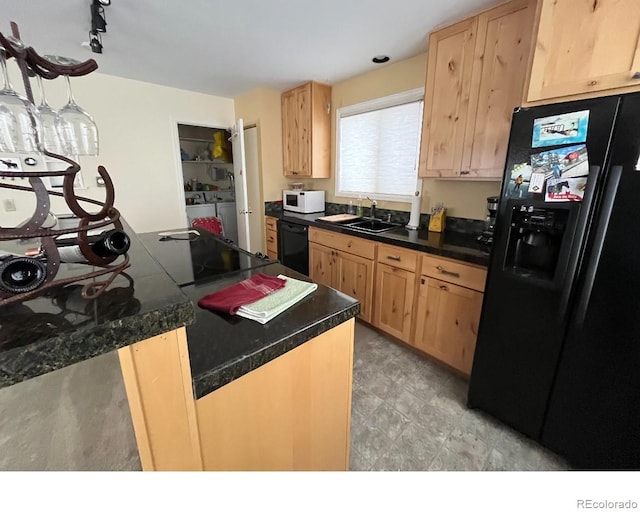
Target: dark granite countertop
{"type": "Point", "coordinates": [451, 244]}
{"type": "Point", "coordinates": [223, 347]}
{"type": "Point", "coordinates": [61, 328]}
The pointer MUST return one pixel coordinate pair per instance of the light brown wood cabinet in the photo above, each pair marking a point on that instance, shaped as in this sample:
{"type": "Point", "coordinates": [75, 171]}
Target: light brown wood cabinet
{"type": "Point", "coordinates": [345, 263]}
{"type": "Point", "coordinates": [395, 289]}
{"type": "Point", "coordinates": [448, 311]}
{"type": "Point", "coordinates": [292, 413]}
{"type": "Point", "coordinates": [585, 48]}
{"type": "Point", "coordinates": [271, 237]}
{"type": "Point", "coordinates": [475, 76]}
{"type": "Point", "coordinates": [429, 302]}
{"type": "Point", "coordinates": [306, 131]}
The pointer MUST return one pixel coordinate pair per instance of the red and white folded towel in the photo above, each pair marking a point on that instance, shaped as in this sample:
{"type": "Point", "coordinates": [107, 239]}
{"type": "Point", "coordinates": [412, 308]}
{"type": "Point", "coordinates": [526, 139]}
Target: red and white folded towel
{"type": "Point", "coordinates": [229, 300]}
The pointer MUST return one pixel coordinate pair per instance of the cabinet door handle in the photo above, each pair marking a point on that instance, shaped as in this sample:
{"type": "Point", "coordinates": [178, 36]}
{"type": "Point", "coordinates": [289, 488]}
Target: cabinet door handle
{"type": "Point", "coordinates": [423, 280]}
{"type": "Point", "coordinates": [636, 75]}
{"type": "Point", "coordinates": [464, 173]}
{"type": "Point", "coordinates": [447, 272]}
{"type": "Point", "coordinates": [294, 172]}
{"type": "Point", "coordinates": [394, 258]}
{"type": "Point", "coordinates": [270, 239]}
{"type": "Point", "coordinates": [444, 287]}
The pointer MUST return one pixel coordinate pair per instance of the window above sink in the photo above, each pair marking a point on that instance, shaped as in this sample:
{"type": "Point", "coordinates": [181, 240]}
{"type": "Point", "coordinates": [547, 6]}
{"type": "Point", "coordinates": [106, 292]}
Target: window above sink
{"type": "Point", "coordinates": [377, 147]}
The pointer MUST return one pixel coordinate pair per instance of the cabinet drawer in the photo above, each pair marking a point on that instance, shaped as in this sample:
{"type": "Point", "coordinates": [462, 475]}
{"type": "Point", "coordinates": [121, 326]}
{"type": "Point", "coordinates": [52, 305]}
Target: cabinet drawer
{"type": "Point", "coordinates": [271, 223]}
{"type": "Point", "coordinates": [272, 240]}
{"type": "Point", "coordinates": [397, 257]}
{"type": "Point", "coordinates": [454, 272]}
{"type": "Point", "coordinates": [344, 243]}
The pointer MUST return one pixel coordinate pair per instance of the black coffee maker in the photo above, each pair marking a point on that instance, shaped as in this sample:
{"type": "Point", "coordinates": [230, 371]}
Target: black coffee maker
{"type": "Point", "coordinates": [486, 237]}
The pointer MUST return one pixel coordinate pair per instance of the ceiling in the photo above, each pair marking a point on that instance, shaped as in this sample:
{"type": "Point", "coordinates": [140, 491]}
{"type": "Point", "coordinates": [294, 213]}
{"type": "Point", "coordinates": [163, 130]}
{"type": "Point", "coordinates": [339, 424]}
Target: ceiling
{"type": "Point", "coordinates": [227, 48]}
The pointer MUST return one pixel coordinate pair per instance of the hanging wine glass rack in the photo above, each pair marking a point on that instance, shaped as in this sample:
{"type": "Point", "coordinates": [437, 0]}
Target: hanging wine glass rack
{"type": "Point", "coordinates": [31, 63]}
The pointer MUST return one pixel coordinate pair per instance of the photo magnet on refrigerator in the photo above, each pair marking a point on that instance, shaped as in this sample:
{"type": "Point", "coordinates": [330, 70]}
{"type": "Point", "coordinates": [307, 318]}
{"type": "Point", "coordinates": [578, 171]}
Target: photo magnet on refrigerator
{"type": "Point", "coordinates": [569, 189]}
{"type": "Point", "coordinates": [566, 162]}
{"type": "Point", "coordinates": [519, 179]}
{"type": "Point", "coordinates": [561, 129]}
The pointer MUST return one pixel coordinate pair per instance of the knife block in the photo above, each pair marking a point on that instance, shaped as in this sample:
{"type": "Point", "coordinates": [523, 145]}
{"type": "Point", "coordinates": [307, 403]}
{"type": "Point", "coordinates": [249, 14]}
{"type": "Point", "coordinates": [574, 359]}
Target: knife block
{"type": "Point", "coordinates": [437, 221]}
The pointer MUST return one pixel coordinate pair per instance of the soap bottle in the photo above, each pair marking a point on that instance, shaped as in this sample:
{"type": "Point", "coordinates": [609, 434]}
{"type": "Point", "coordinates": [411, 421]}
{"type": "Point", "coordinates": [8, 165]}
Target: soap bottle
{"type": "Point", "coordinates": [359, 210]}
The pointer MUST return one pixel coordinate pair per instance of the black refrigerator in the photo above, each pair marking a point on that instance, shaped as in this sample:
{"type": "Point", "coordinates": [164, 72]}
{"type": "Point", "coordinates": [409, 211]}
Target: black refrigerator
{"type": "Point", "coordinates": [558, 348]}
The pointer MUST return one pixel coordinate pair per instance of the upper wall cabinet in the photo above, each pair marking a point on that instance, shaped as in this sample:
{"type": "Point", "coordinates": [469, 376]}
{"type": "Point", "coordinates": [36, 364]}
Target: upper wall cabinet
{"type": "Point", "coordinates": [446, 99]}
{"type": "Point", "coordinates": [475, 77]}
{"type": "Point", "coordinates": [585, 48]}
{"type": "Point", "coordinates": [306, 131]}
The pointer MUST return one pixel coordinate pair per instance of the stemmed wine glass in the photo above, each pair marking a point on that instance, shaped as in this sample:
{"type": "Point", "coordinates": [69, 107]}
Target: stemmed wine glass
{"type": "Point", "coordinates": [18, 117]}
{"type": "Point", "coordinates": [54, 132]}
{"type": "Point", "coordinates": [80, 130]}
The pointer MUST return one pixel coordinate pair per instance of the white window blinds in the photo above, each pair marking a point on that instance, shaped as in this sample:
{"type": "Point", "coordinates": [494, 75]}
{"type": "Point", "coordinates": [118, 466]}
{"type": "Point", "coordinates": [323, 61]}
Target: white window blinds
{"type": "Point", "coordinates": [378, 147]}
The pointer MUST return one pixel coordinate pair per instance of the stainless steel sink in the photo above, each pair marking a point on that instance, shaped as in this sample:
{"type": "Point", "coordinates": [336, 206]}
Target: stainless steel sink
{"type": "Point", "coordinates": [372, 225]}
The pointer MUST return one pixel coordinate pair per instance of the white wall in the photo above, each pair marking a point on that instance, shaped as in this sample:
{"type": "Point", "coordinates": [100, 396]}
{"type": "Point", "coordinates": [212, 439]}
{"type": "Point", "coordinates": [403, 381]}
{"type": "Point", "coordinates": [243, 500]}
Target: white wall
{"type": "Point", "coordinates": [138, 145]}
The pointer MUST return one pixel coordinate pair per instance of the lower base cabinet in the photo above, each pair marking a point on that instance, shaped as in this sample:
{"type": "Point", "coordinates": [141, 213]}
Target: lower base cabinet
{"type": "Point", "coordinates": [429, 302]}
{"type": "Point", "coordinates": [345, 263]}
{"type": "Point", "coordinates": [448, 312]}
{"type": "Point", "coordinates": [447, 322]}
{"type": "Point", "coordinates": [321, 264]}
{"type": "Point", "coordinates": [271, 237]}
{"type": "Point", "coordinates": [354, 276]}
{"type": "Point", "coordinates": [394, 301]}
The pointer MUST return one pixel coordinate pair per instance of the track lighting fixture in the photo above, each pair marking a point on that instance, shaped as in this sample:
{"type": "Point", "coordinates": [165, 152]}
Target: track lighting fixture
{"type": "Point", "coordinates": [95, 42]}
{"type": "Point", "coordinates": [98, 24]}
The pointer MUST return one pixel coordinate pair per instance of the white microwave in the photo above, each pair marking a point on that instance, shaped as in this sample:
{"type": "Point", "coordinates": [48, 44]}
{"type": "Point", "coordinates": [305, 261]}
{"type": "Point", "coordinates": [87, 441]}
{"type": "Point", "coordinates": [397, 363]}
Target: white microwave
{"type": "Point", "coordinates": [303, 201]}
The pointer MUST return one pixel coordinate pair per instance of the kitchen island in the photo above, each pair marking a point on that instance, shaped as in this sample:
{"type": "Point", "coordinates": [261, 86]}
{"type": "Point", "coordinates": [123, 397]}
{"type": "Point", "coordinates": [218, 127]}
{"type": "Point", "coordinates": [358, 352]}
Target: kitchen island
{"type": "Point", "coordinates": [205, 391]}
{"type": "Point", "coordinates": [229, 393]}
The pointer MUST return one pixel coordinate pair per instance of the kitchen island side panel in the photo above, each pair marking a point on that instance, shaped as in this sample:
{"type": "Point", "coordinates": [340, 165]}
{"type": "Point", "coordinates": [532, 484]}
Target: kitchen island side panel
{"type": "Point", "coordinates": [157, 379]}
{"type": "Point", "coordinates": [292, 413]}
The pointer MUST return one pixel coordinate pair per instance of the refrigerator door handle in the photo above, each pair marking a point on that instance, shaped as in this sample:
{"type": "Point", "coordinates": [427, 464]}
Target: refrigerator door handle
{"type": "Point", "coordinates": [598, 243]}
{"type": "Point", "coordinates": [581, 227]}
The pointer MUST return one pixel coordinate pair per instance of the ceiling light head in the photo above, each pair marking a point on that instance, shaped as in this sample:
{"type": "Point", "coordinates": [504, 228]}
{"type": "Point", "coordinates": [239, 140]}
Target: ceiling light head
{"type": "Point", "coordinates": [104, 2]}
{"type": "Point", "coordinates": [381, 59]}
{"type": "Point", "coordinates": [95, 42]}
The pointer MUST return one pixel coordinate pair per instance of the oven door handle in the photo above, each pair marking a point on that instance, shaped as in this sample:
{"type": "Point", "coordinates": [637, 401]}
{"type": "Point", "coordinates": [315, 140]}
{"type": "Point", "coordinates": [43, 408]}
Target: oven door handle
{"type": "Point", "coordinates": [293, 228]}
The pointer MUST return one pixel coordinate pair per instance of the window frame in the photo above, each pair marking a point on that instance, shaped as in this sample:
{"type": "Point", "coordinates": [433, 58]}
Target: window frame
{"type": "Point", "coordinates": [410, 96]}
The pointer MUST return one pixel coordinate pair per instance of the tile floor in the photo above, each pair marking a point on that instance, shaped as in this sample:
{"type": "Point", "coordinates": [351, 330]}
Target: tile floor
{"type": "Point", "coordinates": [409, 414]}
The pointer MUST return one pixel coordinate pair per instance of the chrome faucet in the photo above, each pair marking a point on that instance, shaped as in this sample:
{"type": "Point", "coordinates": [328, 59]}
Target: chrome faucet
{"type": "Point", "coordinates": [373, 208]}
